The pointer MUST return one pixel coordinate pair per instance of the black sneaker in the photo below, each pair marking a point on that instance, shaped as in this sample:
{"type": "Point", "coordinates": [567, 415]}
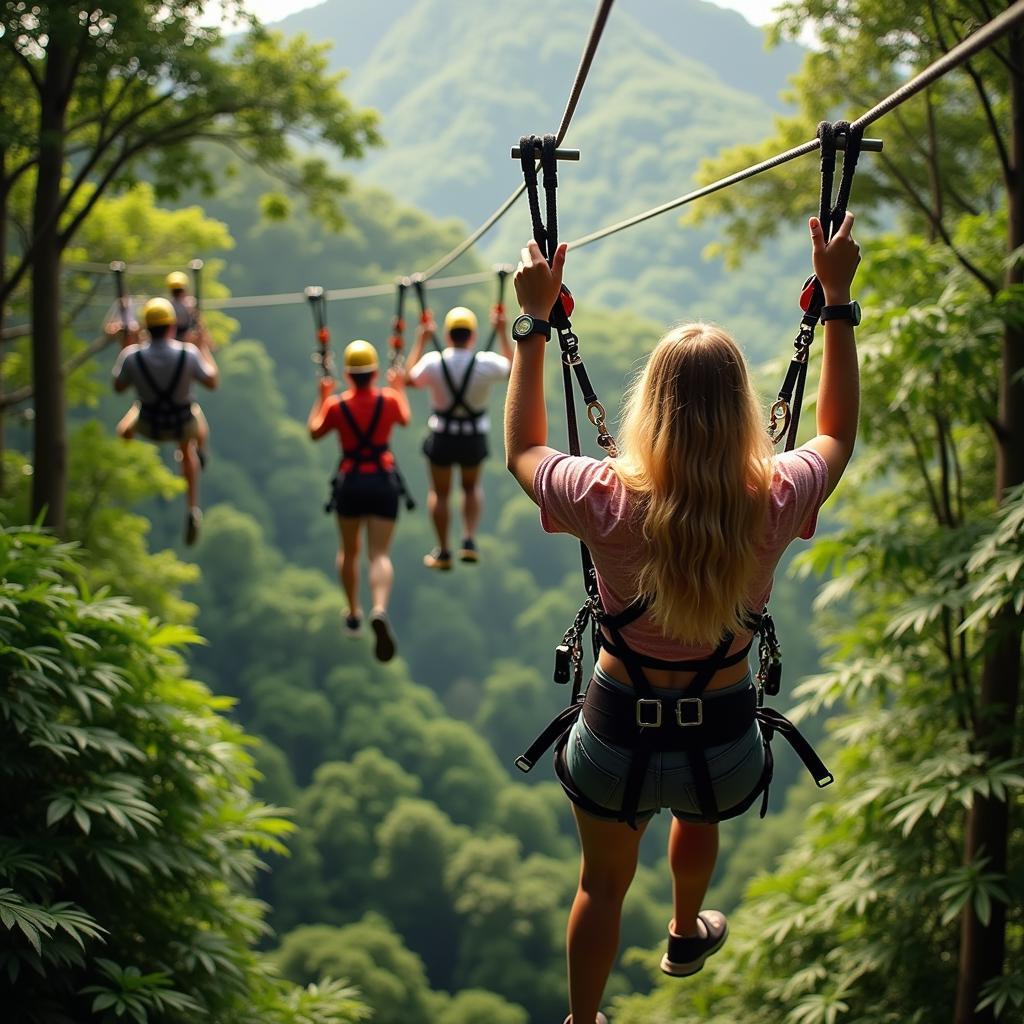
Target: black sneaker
{"type": "Point", "coordinates": [468, 551]}
{"type": "Point", "coordinates": [353, 625]}
{"type": "Point", "coordinates": [384, 639]}
{"type": "Point", "coordinates": [193, 521]}
{"type": "Point", "coordinates": [686, 956]}
{"type": "Point", "coordinates": [439, 558]}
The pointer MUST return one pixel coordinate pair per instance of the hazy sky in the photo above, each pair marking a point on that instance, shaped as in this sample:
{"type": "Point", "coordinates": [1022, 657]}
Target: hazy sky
{"type": "Point", "coordinates": [757, 11]}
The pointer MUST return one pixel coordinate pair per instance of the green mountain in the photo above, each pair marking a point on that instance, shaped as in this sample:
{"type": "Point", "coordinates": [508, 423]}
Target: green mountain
{"type": "Point", "coordinates": [458, 82]}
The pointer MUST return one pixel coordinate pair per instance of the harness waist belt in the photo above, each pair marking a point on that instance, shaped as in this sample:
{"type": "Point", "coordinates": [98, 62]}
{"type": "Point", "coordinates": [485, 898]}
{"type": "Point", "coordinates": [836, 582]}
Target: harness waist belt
{"type": "Point", "coordinates": [674, 666]}
{"type": "Point", "coordinates": [668, 723]}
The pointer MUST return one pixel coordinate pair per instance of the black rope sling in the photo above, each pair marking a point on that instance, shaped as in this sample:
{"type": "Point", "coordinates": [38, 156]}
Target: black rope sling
{"type": "Point", "coordinates": [318, 308]}
{"type": "Point", "coordinates": [503, 270]}
{"type": "Point", "coordinates": [396, 342]}
{"type": "Point", "coordinates": [641, 721]}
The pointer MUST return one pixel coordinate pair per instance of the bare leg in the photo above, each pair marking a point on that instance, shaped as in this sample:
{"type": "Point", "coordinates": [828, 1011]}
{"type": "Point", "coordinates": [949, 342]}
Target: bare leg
{"type": "Point", "coordinates": [202, 428]}
{"type": "Point", "coordinates": [692, 852]}
{"type": "Point", "coordinates": [607, 866]}
{"type": "Point", "coordinates": [437, 501]}
{"type": "Point", "coordinates": [472, 499]}
{"type": "Point", "coordinates": [382, 573]}
{"type": "Point", "coordinates": [190, 471]}
{"type": "Point", "coordinates": [348, 561]}
{"type": "Point", "coordinates": [129, 421]}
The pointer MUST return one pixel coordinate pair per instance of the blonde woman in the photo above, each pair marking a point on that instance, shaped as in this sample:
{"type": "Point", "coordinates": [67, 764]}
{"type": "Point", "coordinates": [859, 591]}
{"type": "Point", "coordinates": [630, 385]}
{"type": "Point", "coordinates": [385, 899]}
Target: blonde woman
{"type": "Point", "coordinates": [685, 528]}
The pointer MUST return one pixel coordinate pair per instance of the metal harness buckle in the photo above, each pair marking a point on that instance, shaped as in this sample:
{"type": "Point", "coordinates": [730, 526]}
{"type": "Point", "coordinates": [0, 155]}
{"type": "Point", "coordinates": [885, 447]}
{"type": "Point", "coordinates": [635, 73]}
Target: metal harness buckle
{"type": "Point", "coordinates": [641, 719]}
{"type": "Point", "coordinates": [682, 719]}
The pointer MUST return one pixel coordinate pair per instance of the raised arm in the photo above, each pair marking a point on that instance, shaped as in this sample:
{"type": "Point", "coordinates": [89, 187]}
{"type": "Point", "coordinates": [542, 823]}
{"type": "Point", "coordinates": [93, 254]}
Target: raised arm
{"type": "Point", "coordinates": [499, 320]}
{"type": "Point", "coordinates": [396, 380]}
{"type": "Point", "coordinates": [318, 414]}
{"type": "Point", "coordinates": [211, 371]}
{"type": "Point", "coordinates": [425, 330]}
{"type": "Point", "coordinates": [526, 418]}
{"type": "Point", "coordinates": [839, 388]}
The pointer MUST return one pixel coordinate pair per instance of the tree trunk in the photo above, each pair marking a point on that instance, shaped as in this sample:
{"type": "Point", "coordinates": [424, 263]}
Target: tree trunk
{"type": "Point", "coordinates": [3, 309]}
{"type": "Point", "coordinates": [983, 946]}
{"type": "Point", "coordinates": [50, 442]}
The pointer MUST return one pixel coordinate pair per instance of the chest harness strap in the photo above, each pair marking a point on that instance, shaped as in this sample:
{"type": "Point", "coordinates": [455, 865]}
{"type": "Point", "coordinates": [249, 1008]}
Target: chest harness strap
{"type": "Point", "coordinates": [641, 721]}
{"type": "Point", "coordinates": [164, 414]}
{"type": "Point", "coordinates": [459, 414]}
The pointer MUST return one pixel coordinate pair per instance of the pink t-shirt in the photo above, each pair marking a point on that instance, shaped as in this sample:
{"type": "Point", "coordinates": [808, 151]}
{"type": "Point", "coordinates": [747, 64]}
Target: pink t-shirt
{"type": "Point", "coordinates": [585, 498]}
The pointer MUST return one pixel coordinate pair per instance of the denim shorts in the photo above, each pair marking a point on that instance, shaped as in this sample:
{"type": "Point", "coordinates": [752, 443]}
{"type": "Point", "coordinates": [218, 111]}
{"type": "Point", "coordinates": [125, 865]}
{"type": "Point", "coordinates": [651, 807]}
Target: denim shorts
{"type": "Point", "coordinates": [598, 769]}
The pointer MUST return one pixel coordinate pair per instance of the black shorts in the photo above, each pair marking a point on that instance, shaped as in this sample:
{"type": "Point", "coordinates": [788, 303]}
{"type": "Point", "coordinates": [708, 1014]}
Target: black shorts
{"type": "Point", "coordinates": [366, 494]}
{"type": "Point", "coordinates": [466, 450]}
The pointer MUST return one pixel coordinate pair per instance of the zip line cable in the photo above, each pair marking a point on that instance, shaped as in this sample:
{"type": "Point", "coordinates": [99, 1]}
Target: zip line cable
{"type": "Point", "coordinates": [604, 8]}
{"type": "Point", "coordinates": [962, 52]}
{"type": "Point", "coordinates": [248, 301]}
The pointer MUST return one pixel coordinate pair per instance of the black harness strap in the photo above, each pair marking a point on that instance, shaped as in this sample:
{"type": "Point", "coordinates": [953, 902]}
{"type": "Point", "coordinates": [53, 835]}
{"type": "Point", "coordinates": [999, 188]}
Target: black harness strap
{"type": "Point", "coordinates": [365, 452]}
{"type": "Point", "coordinates": [467, 415]}
{"type": "Point", "coordinates": [164, 413]}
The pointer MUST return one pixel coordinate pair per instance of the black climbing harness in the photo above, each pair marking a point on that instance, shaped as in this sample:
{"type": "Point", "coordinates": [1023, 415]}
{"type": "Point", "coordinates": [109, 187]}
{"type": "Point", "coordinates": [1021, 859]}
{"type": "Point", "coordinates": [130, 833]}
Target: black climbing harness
{"type": "Point", "coordinates": [459, 417]}
{"type": "Point", "coordinates": [642, 721]}
{"type": "Point", "coordinates": [318, 307]}
{"type": "Point", "coordinates": [365, 452]}
{"type": "Point", "coordinates": [164, 415]}
{"type": "Point", "coordinates": [502, 270]}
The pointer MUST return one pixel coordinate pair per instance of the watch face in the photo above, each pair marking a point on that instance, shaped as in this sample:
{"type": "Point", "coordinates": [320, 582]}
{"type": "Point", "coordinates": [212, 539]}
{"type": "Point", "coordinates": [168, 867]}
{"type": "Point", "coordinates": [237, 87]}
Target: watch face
{"type": "Point", "coordinates": [523, 326]}
{"type": "Point", "coordinates": [856, 311]}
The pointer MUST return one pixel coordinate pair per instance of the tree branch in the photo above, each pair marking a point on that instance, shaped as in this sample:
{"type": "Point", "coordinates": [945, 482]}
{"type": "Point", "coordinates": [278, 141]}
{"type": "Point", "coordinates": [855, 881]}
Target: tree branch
{"type": "Point", "coordinates": [23, 394]}
{"type": "Point", "coordinates": [26, 65]}
{"type": "Point", "coordinates": [922, 465]}
{"type": "Point", "coordinates": [989, 285]}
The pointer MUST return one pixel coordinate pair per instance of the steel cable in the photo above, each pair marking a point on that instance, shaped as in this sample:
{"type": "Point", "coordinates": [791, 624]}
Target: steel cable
{"type": "Point", "coordinates": [960, 53]}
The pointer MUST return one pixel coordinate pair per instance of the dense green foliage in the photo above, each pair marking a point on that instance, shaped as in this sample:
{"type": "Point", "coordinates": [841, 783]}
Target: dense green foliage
{"type": "Point", "coordinates": [675, 81]}
{"type": "Point", "coordinates": [422, 869]}
{"type": "Point", "coordinates": [130, 837]}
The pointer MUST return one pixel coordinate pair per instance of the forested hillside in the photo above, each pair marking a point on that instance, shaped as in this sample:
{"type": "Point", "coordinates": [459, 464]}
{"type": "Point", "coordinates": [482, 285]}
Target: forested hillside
{"type": "Point", "coordinates": [174, 719]}
{"type": "Point", "coordinates": [676, 83]}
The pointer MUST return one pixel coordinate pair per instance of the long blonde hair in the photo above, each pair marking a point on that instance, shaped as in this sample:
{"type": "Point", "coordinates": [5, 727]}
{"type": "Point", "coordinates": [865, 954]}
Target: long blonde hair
{"type": "Point", "coordinates": [695, 454]}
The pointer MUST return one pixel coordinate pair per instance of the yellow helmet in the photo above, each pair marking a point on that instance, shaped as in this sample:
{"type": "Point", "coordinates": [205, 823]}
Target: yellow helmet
{"type": "Point", "coordinates": [177, 281]}
{"type": "Point", "coordinates": [460, 317]}
{"type": "Point", "coordinates": [360, 357]}
{"type": "Point", "coordinates": [158, 313]}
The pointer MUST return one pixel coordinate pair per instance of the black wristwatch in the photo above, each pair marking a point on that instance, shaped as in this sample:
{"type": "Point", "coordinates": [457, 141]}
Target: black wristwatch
{"type": "Point", "coordinates": [525, 325]}
{"type": "Point", "coordinates": [847, 311]}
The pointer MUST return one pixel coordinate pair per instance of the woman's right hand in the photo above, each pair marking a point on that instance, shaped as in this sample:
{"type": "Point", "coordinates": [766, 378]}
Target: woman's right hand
{"type": "Point", "coordinates": [835, 263]}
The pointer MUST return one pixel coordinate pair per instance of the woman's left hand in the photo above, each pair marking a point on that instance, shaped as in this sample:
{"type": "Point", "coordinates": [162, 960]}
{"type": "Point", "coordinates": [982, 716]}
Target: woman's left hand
{"type": "Point", "coordinates": [538, 285]}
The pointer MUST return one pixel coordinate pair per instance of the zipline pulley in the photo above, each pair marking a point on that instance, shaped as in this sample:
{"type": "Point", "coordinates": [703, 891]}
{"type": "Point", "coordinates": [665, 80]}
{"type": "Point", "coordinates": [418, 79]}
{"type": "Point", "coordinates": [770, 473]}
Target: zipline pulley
{"type": "Point", "coordinates": [196, 266]}
{"type": "Point", "coordinates": [118, 268]}
{"type": "Point", "coordinates": [318, 307]}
